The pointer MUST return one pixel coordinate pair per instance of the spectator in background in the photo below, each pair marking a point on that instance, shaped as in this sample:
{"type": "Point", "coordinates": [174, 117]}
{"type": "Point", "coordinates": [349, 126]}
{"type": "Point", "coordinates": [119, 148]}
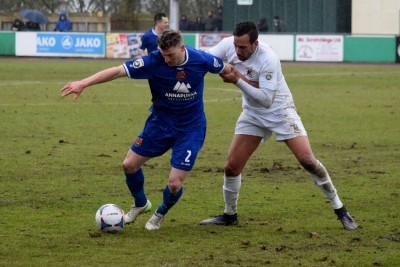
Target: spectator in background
{"type": "Point", "coordinates": [198, 25]}
{"type": "Point", "coordinates": [209, 24]}
{"type": "Point", "coordinates": [63, 23]}
{"type": "Point", "coordinates": [18, 25]}
{"type": "Point", "coordinates": [277, 25]}
{"type": "Point", "coordinates": [149, 38]}
{"type": "Point", "coordinates": [262, 25]}
{"type": "Point", "coordinates": [184, 24]}
{"type": "Point", "coordinates": [218, 19]}
{"type": "Point", "coordinates": [32, 26]}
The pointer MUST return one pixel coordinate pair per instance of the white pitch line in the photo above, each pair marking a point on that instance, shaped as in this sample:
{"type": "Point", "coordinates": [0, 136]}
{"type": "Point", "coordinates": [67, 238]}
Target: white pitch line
{"type": "Point", "coordinates": [212, 100]}
{"type": "Point", "coordinates": [17, 82]}
{"type": "Point", "coordinates": [340, 73]}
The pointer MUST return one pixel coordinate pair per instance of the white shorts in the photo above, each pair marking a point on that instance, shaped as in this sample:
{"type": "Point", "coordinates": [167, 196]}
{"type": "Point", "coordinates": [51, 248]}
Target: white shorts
{"type": "Point", "coordinates": [285, 125]}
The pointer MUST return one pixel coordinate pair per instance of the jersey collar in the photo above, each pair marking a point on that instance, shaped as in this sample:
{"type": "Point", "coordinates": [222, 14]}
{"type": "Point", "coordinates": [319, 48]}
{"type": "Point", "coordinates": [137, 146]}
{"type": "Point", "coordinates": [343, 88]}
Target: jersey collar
{"type": "Point", "coordinates": [255, 52]}
{"type": "Point", "coordinates": [186, 56]}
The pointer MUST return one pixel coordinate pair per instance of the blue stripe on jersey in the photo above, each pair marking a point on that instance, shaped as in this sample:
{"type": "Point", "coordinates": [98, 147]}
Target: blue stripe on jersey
{"type": "Point", "coordinates": [177, 92]}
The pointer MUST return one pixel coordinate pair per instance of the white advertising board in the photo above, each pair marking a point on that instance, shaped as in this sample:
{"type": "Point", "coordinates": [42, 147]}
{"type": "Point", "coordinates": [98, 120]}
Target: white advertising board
{"type": "Point", "coordinates": [319, 48]}
{"type": "Point", "coordinates": [282, 45]}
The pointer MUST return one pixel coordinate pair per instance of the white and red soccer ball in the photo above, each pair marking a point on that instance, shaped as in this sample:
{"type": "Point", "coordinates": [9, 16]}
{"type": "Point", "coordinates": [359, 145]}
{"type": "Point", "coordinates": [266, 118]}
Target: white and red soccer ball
{"type": "Point", "coordinates": [110, 218]}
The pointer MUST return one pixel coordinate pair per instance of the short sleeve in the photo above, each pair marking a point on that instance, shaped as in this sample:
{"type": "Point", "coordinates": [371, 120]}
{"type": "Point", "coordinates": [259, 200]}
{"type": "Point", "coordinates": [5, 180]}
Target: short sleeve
{"type": "Point", "coordinates": [140, 68]}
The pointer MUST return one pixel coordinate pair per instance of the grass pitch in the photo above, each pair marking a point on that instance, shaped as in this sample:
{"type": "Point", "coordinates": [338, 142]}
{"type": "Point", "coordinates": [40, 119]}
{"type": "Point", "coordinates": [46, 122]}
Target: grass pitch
{"type": "Point", "coordinates": [61, 160]}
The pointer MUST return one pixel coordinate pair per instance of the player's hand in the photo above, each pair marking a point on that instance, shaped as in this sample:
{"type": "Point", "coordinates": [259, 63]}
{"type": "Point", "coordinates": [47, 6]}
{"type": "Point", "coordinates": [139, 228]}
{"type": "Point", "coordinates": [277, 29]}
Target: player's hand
{"type": "Point", "coordinates": [231, 77]}
{"type": "Point", "coordinates": [73, 88]}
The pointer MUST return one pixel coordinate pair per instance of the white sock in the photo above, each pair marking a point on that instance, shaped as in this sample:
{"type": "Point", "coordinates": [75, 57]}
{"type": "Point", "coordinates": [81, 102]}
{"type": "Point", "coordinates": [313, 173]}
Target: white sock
{"type": "Point", "coordinates": [324, 182]}
{"type": "Point", "coordinates": [231, 190]}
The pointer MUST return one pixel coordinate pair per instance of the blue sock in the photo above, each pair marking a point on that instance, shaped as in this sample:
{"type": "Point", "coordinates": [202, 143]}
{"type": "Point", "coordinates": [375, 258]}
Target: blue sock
{"type": "Point", "coordinates": [135, 182]}
{"type": "Point", "coordinates": [169, 200]}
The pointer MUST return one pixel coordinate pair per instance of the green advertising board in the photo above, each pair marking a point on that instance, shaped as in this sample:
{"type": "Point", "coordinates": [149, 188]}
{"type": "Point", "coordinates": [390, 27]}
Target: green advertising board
{"type": "Point", "coordinates": [7, 43]}
{"type": "Point", "coordinates": [369, 49]}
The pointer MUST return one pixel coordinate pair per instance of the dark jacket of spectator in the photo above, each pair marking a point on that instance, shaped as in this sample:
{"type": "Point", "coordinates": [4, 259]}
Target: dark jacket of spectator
{"type": "Point", "coordinates": [218, 19]}
{"type": "Point", "coordinates": [18, 25]}
{"type": "Point", "coordinates": [184, 23]}
{"type": "Point", "coordinates": [209, 24]}
{"type": "Point", "coordinates": [32, 26]}
{"type": "Point", "coordinates": [262, 25]}
{"type": "Point", "coordinates": [198, 25]}
{"type": "Point", "coordinates": [277, 25]}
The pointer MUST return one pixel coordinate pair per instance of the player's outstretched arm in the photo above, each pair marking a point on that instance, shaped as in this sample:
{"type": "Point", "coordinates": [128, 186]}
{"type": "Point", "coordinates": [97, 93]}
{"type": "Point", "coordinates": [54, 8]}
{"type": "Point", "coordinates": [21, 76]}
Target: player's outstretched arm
{"type": "Point", "coordinates": [103, 76]}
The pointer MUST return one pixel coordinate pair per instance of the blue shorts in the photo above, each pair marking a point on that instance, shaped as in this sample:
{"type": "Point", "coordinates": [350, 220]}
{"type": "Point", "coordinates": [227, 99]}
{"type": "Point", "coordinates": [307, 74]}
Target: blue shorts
{"type": "Point", "coordinates": [158, 137]}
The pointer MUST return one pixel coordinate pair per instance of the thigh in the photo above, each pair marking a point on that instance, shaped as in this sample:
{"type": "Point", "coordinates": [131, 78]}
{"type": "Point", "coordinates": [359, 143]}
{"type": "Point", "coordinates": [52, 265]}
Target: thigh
{"type": "Point", "coordinates": [186, 147]}
{"type": "Point", "coordinates": [155, 139]}
{"type": "Point", "coordinates": [242, 147]}
{"type": "Point", "coordinates": [301, 148]}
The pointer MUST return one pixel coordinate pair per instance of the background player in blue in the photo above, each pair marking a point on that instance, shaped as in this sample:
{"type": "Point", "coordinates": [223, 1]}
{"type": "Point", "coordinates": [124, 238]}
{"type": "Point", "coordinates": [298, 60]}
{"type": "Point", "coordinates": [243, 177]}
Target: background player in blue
{"type": "Point", "coordinates": [149, 38]}
{"type": "Point", "coordinates": [176, 78]}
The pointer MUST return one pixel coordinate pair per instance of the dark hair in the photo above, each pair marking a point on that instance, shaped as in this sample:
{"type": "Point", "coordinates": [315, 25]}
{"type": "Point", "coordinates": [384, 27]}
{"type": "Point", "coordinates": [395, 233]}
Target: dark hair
{"type": "Point", "coordinates": [246, 27]}
{"type": "Point", "coordinates": [159, 16]}
{"type": "Point", "coordinates": [169, 38]}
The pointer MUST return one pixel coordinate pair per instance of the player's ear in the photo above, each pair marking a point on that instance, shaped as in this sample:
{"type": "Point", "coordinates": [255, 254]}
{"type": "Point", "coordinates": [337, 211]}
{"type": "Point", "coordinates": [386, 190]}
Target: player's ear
{"type": "Point", "coordinates": [182, 47]}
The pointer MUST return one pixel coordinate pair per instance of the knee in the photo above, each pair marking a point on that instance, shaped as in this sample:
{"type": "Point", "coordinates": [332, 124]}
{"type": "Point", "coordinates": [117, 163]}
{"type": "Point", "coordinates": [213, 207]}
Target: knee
{"type": "Point", "coordinates": [128, 167]}
{"type": "Point", "coordinates": [174, 185]}
{"type": "Point", "coordinates": [232, 170]}
{"type": "Point", "coordinates": [308, 162]}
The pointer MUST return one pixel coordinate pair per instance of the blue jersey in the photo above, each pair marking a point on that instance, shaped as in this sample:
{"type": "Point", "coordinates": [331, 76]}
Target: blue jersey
{"type": "Point", "coordinates": [149, 41]}
{"type": "Point", "coordinates": [177, 92]}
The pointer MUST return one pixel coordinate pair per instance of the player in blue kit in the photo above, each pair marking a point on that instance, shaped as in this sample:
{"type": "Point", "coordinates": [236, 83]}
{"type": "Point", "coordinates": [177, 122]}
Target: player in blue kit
{"type": "Point", "coordinates": [176, 78]}
{"type": "Point", "coordinates": [149, 38]}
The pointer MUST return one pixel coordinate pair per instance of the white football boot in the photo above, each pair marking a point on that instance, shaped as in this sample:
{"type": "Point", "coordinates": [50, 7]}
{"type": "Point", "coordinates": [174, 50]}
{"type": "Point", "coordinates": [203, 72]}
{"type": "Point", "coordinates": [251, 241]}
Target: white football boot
{"type": "Point", "coordinates": [134, 212]}
{"type": "Point", "coordinates": [154, 223]}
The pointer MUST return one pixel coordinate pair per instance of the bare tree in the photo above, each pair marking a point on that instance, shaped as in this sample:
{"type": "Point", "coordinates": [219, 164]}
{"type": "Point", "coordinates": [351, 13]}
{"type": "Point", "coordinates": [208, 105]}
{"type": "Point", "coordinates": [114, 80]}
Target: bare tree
{"type": "Point", "coordinates": [155, 6]}
{"type": "Point", "coordinates": [191, 8]}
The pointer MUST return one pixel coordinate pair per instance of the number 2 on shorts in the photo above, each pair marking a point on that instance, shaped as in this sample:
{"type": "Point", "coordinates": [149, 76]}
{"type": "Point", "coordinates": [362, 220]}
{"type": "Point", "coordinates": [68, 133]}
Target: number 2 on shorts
{"type": "Point", "coordinates": [188, 155]}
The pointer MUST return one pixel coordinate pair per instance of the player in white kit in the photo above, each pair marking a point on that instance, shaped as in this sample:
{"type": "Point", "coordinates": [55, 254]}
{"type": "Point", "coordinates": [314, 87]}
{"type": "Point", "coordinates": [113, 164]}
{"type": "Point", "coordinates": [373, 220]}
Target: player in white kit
{"type": "Point", "coordinates": [268, 108]}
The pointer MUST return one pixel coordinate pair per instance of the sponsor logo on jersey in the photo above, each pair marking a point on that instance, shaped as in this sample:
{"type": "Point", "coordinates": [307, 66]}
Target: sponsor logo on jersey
{"type": "Point", "coordinates": [268, 76]}
{"type": "Point", "coordinates": [138, 63]}
{"type": "Point", "coordinates": [182, 87]}
{"type": "Point", "coordinates": [181, 92]}
{"type": "Point", "coordinates": [216, 63]}
{"type": "Point", "coordinates": [250, 72]}
{"type": "Point", "coordinates": [181, 75]}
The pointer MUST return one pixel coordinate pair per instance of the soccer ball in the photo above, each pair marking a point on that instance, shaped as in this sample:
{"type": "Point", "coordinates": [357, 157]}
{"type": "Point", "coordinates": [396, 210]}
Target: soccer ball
{"type": "Point", "coordinates": [110, 218]}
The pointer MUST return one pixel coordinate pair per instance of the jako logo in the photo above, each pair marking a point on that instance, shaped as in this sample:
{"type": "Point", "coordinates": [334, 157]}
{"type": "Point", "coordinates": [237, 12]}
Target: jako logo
{"type": "Point", "coordinates": [46, 41]}
{"type": "Point", "coordinates": [67, 42]}
{"type": "Point", "coordinates": [88, 42]}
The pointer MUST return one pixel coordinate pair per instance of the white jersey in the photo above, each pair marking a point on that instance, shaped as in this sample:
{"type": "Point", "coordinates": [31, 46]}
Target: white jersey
{"type": "Point", "coordinates": [263, 67]}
